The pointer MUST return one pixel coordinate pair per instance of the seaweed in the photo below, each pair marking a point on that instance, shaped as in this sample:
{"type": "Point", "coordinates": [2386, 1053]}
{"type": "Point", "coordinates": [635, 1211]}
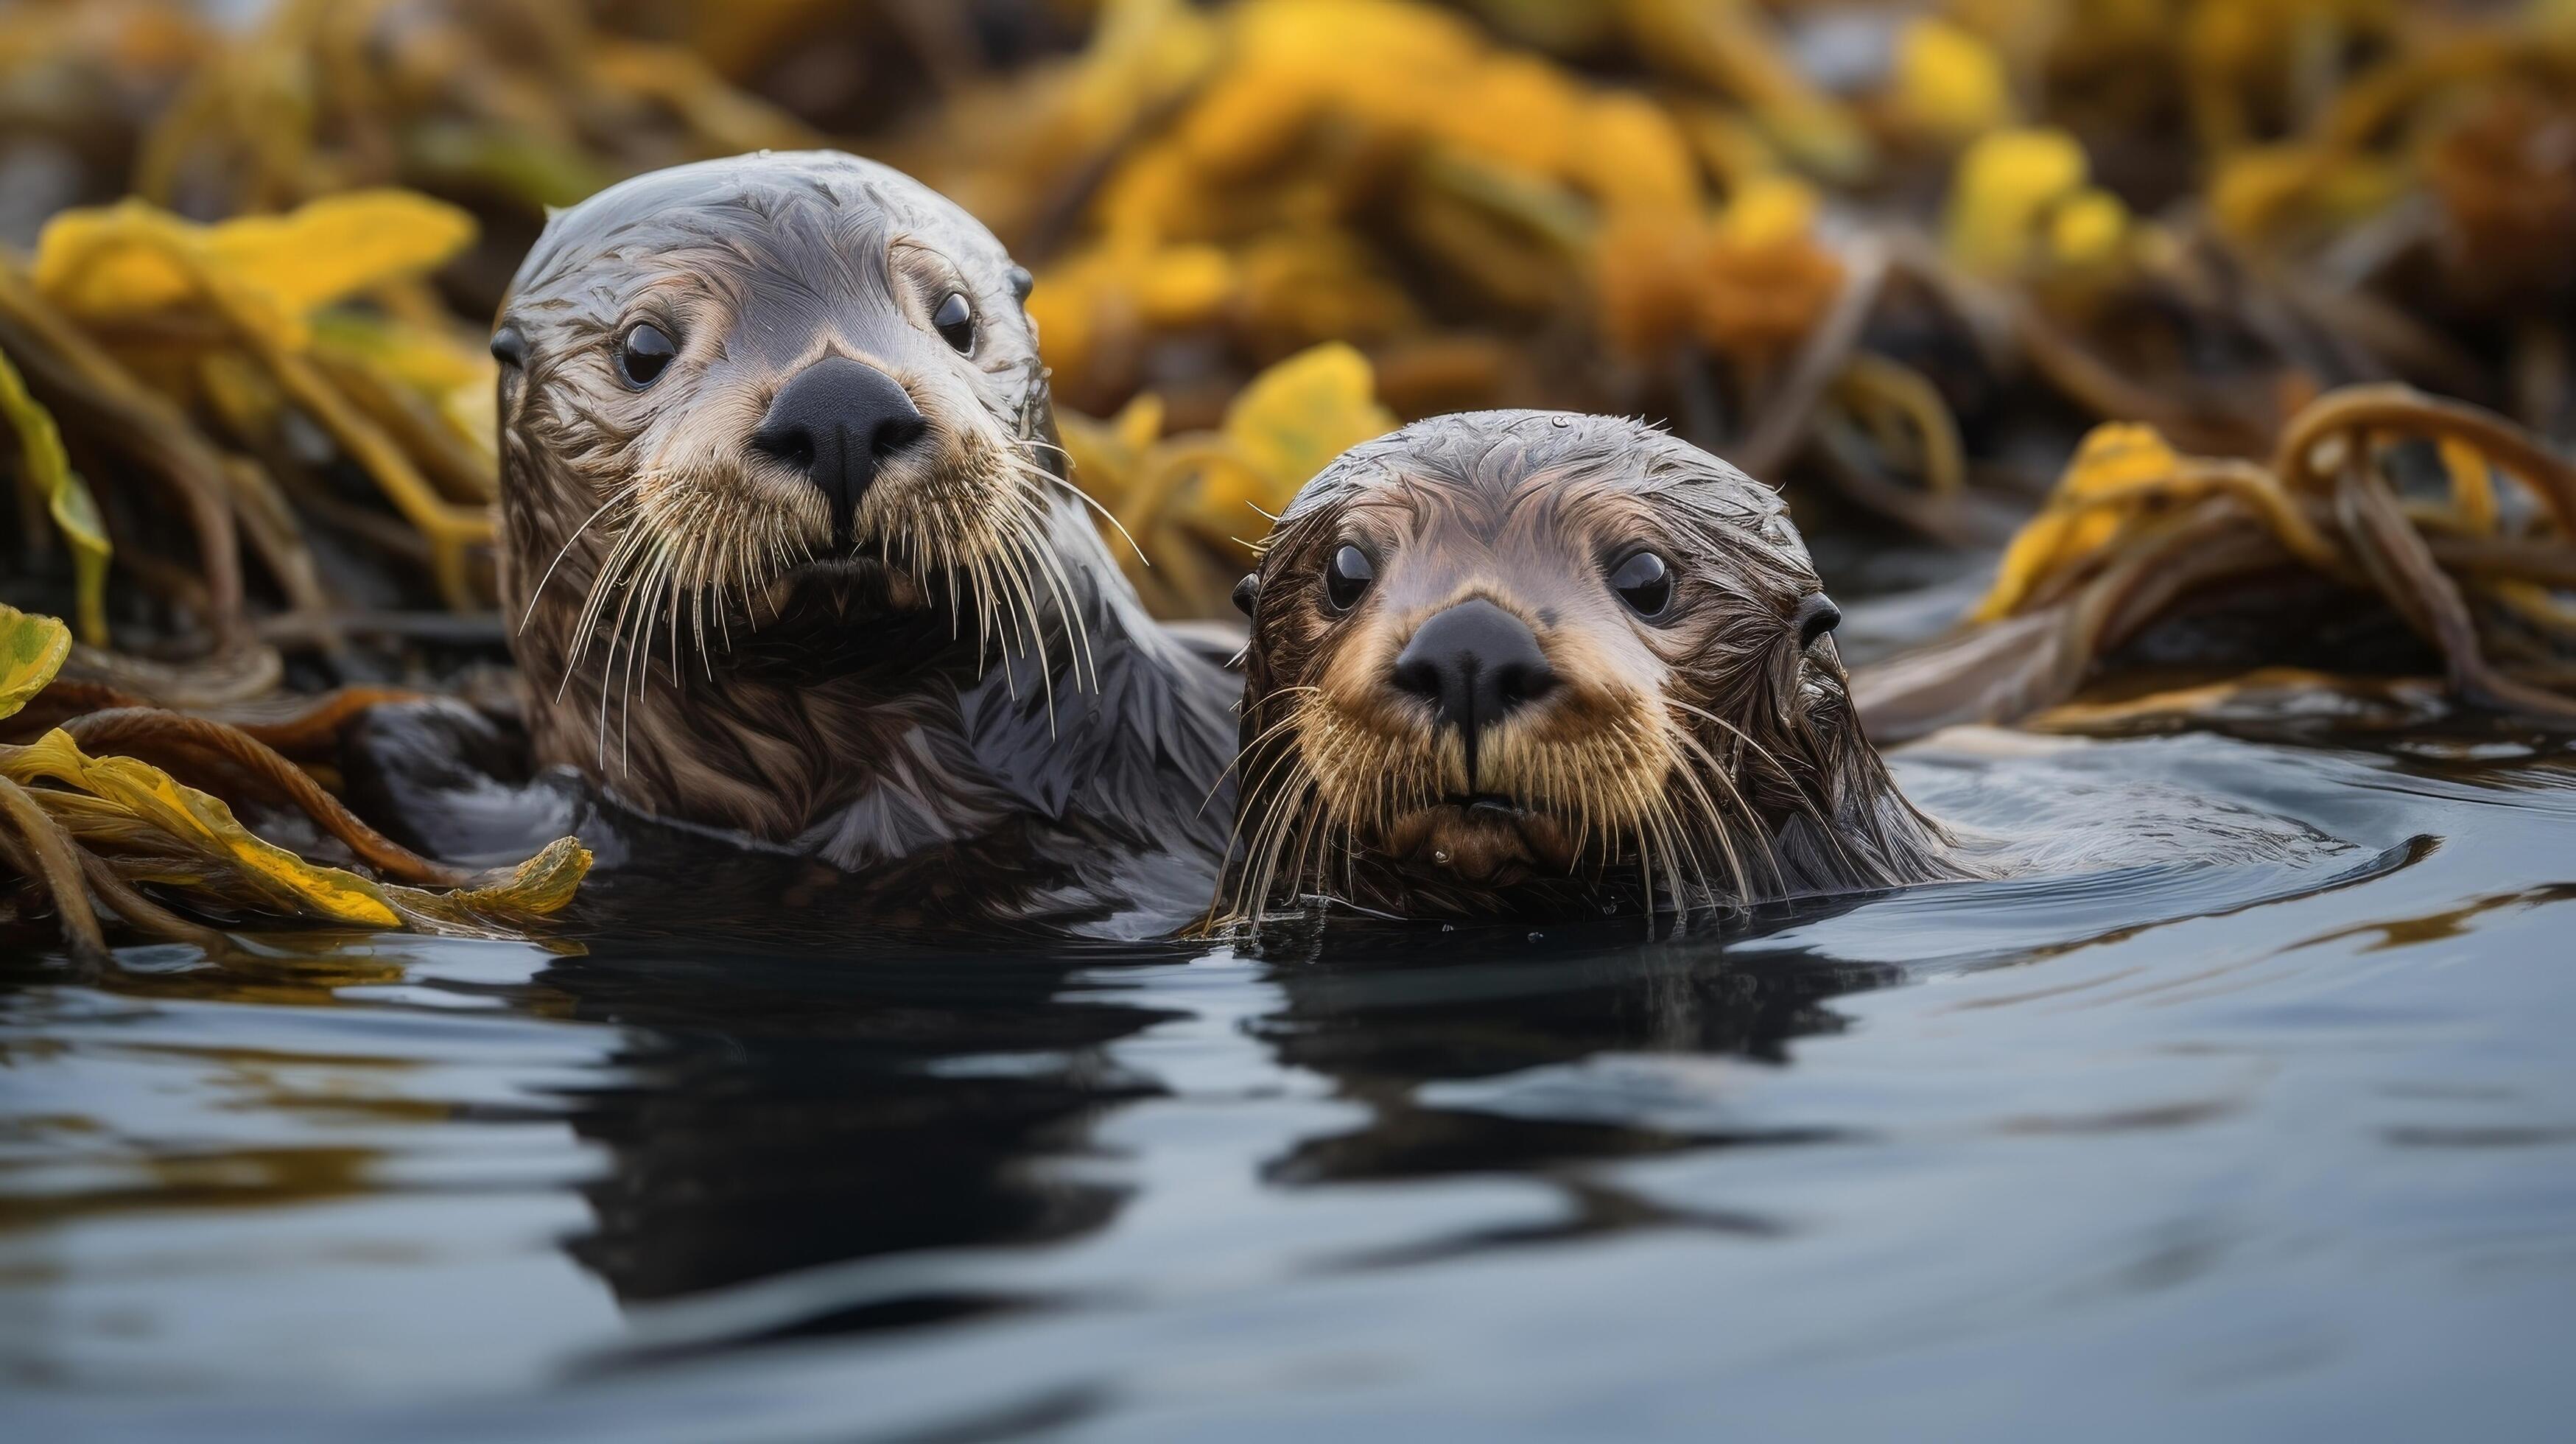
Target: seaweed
{"type": "Point", "coordinates": [96, 832]}
{"type": "Point", "coordinates": [2186, 257]}
{"type": "Point", "coordinates": [1179, 501]}
{"type": "Point", "coordinates": [2478, 569]}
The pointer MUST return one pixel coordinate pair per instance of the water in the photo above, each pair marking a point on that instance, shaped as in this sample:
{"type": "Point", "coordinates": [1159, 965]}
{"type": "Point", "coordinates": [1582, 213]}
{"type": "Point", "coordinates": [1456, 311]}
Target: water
{"type": "Point", "coordinates": [2272, 1132]}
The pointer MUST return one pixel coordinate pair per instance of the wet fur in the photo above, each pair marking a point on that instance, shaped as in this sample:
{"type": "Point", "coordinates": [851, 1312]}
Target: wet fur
{"type": "Point", "coordinates": [1710, 760]}
{"type": "Point", "coordinates": [961, 669]}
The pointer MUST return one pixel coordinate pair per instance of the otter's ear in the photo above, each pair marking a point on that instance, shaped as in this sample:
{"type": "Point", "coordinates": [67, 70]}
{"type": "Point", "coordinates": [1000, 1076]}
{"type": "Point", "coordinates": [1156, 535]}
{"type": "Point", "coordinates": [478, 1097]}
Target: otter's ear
{"type": "Point", "coordinates": [1022, 282]}
{"type": "Point", "coordinates": [509, 346]}
{"type": "Point", "coordinates": [1816, 615]}
{"type": "Point", "coordinates": [1247, 592]}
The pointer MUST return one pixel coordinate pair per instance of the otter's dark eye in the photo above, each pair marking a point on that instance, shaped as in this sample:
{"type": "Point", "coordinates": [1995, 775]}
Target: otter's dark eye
{"type": "Point", "coordinates": [1816, 616]}
{"type": "Point", "coordinates": [1644, 583]}
{"type": "Point", "coordinates": [1346, 576]}
{"type": "Point", "coordinates": [955, 322]}
{"type": "Point", "coordinates": [644, 352]}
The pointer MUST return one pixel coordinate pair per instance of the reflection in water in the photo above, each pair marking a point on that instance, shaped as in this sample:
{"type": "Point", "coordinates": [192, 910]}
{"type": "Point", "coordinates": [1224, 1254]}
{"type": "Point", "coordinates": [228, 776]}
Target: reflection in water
{"type": "Point", "coordinates": [2273, 1115]}
{"type": "Point", "coordinates": [778, 1113]}
{"type": "Point", "coordinates": [1367, 1016]}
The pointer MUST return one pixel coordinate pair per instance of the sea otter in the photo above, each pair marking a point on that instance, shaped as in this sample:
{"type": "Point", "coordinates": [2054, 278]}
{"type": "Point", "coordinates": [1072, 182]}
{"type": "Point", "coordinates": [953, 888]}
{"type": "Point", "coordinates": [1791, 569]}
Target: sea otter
{"type": "Point", "coordinates": [1530, 663]}
{"type": "Point", "coordinates": [788, 550]}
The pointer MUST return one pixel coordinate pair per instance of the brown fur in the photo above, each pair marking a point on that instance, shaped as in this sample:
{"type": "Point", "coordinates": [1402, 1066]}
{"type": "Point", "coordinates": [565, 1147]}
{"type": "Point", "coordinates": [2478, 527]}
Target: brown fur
{"type": "Point", "coordinates": [965, 661]}
{"type": "Point", "coordinates": [1706, 758]}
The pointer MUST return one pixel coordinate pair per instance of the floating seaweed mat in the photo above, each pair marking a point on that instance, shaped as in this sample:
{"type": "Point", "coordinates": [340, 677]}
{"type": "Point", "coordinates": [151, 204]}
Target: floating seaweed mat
{"type": "Point", "coordinates": [2483, 567]}
{"type": "Point", "coordinates": [91, 832]}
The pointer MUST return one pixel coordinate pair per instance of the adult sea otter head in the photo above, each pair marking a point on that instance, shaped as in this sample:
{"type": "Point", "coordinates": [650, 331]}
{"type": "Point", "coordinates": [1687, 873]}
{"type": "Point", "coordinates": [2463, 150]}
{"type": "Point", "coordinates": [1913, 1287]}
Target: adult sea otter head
{"type": "Point", "coordinates": [775, 421]}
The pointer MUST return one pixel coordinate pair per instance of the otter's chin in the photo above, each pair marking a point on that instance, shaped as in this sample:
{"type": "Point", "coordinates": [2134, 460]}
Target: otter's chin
{"type": "Point", "coordinates": [1485, 840]}
{"type": "Point", "coordinates": [846, 586]}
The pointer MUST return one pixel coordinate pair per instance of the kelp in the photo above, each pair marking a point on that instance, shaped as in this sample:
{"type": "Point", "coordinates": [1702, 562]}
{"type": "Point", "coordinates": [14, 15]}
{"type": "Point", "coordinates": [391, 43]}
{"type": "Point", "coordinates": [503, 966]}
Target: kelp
{"type": "Point", "coordinates": [102, 836]}
{"type": "Point", "coordinates": [1898, 255]}
{"type": "Point", "coordinates": [1320, 162]}
{"type": "Point", "coordinates": [45, 472]}
{"type": "Point", "coordinates": [1905, 260]}
{"type": "Point", "coordinates": [223, 319]}
{"type": "Point", "coordinates": [2462, 524]}
{"type": "Point", "coordinates": [1186, 502]}
{"type": "Point", "coordinates": [175, 367]}
{"type": "Point", "coordinates": [533, 104]}
{"type": "Point", "coordinates": [1690, 226]}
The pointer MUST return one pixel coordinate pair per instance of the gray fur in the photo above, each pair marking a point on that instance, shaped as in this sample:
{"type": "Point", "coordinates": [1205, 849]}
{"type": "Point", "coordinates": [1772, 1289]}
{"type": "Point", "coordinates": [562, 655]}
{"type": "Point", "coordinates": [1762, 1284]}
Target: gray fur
{"type": "Point", "coordinates": [684, 654]}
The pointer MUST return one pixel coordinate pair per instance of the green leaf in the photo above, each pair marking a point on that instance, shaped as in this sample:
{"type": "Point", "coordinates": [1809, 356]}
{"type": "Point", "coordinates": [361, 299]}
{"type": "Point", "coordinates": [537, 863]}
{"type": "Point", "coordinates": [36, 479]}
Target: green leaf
{"type": "Point", "coordinates": [47, 468]}
{"type": "Point", "coordinates": [32, 649]}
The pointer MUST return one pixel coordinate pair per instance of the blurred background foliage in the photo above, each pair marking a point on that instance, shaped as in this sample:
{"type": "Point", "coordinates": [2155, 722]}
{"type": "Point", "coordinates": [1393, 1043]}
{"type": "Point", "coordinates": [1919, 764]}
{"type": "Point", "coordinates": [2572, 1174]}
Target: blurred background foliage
{"type": "Point", "coordinates": [1889, 253]}
{"type": "Point", "coordinates": [1900, 258]}
{"type": "Point", "coordinates": [1896, 255]}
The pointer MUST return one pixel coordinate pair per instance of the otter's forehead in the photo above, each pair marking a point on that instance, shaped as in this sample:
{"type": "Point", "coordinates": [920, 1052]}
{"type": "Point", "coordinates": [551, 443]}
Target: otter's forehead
{"type": "Point", "coordinates": [783, 233]}
{"type": "Point", "coordinates": [716, 198]}
{"type": "Point", "coordinates": [1489, 470]}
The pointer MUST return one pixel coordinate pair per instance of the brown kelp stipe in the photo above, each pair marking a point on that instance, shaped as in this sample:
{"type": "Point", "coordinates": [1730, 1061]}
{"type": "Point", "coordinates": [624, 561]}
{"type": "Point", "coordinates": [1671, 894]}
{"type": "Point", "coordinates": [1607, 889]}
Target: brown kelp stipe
{"type": "Point", "coordinates": [2477, 558]}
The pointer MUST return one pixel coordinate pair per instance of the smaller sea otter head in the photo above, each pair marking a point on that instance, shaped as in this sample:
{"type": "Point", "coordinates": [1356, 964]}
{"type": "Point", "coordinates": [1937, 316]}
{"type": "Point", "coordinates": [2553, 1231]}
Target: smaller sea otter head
{"type": "Point", "coordinates": [784, 386]}
{"type": "Point", "coordinates": [1532, 662]}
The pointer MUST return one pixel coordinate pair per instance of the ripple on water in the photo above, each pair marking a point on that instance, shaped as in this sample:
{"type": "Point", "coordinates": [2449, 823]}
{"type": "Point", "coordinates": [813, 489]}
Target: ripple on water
{"type": "Point", "coordinates": [2243, 1102]}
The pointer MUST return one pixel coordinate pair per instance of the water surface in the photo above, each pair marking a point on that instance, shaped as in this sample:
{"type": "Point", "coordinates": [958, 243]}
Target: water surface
{"type": "Point", "coordinates": [2270, 1129]}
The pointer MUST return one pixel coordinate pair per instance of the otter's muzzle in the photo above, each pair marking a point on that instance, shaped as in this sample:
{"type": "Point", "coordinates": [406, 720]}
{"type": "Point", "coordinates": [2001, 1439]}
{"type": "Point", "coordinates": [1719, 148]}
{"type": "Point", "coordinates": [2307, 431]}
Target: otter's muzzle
{"type": "Point", "coordinates": [837, 421]}
{"type": "Point", "coordinates": [1475, 663]}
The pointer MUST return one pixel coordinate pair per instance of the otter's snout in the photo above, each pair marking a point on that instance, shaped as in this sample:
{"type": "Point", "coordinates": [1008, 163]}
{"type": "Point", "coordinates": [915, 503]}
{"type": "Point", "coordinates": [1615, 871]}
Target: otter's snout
{"type": "Point", "coordinates": [1475, 663]}
{"type": "Point", "coordinates": [837, 421]}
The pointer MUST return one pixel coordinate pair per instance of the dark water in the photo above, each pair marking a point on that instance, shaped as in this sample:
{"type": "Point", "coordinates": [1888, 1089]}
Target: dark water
{"type": "Point", "coordinates": [2275, 1135]}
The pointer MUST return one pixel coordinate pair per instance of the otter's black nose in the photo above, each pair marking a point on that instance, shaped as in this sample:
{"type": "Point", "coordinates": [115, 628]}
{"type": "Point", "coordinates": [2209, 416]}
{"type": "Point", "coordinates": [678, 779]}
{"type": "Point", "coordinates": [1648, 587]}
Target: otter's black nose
{"type": "Point", "coordinates": [1474, 663]}
{"type": "Point", "coordinates": [837, 420]}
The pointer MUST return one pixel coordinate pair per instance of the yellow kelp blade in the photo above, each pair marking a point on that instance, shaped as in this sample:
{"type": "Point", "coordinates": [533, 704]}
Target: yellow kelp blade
{"type": "Point", "coordinates": [1186, 498]}
{"type": "Point", "coordinates": [1108, 457]}
{"type": "Point", "coordinates": [117, 260]}
{"type": "Point", "coordinates": [1299, 415]}
{"type": "Point", "coordinates": [457, 378]}
{"type": "Point", "coordinates": [2024, 194]}
{"type": "Point", "coordinates": [1951, 82]}
{"type": "Point", "coordinates": [537, 887]}
{"type": "Point", "coordinates": [32, 649]}
{"type": "Point", "coordinates": [131, 260]}
{"type": "Point", "coordinates": [45, 467]}
{"type": "Point", "coordinates": [339, 246]}
{"type": "Point", "coordinates": [205, 826]}
{"type": "Point", "coordinates": [2113, 457]}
